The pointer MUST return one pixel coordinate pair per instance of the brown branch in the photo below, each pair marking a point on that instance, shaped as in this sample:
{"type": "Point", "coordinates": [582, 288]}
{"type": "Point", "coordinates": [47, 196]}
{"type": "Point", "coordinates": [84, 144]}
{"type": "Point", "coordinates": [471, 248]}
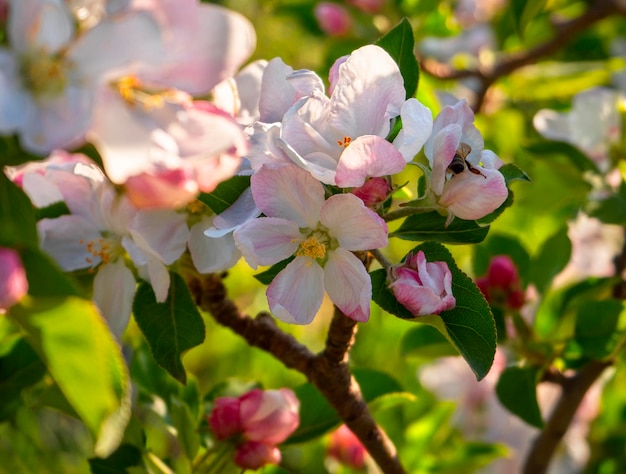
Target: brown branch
{"type": "Point", "coordinates": [328, 371]}
{"type": "Point", "coordinates": [564, 32]}
{"type": "Point", "coordinates": [573, 391]}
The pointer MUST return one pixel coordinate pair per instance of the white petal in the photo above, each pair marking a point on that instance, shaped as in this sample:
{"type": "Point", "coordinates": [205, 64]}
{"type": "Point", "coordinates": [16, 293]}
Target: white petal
{"type": "Point", "coordinates": [267, 240]}
{"type": "Point", "coordinates": [211, 254]}
{"type": "Point", "coordinates": [113, 292]}
{"type": "Point", "coordinates": [296, 294]}
{"type": "Point", "coordinates": [417, 125]}
{"type": "Point", "coordinates": [241, 211]}
{"type": "Point", "coordinates": [65, 240]}
{"type": "Point", "coordinates": [159, 278]}
{"type": "Point", "coordinates": [348, 284]}
{"type": "Point", "coordinates": [355, 226]}
{"type": "Point", "coordinates": [288, 192]}
{"type": "Point", "coordinates": [160, 233]}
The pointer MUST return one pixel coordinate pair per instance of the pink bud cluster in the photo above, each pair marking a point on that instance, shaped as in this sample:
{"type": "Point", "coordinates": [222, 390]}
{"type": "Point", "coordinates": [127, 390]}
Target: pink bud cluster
{"type": "Point", "coordinates": [13, 283]}
{"type": "Point", "coordinates": [257, 421]}
{"type": "Point", "coordinates": [346, 448]}
{"type": "Point", "coordinates": [501, 285]}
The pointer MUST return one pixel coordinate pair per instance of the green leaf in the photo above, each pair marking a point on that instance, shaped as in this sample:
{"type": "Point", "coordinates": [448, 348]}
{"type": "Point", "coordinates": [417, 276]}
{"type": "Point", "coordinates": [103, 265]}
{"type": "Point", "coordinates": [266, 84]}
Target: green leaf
{"type": "Point", "coordinates": [551, 259]}
{"type": "Point", "coordinates": [400, 43]}
{"type": "Point", "coordinates": [546, 148]}
{"type": "Point", "coordinates": [612, 209]}
{"type": "Point", "coordinates": [226, 193]}
{"type": "Point", "coordinates": [185, 427]}
{"type": "Point", "coordinates": [426, 341]}
{"type": "Point", "coordinates": [52, 211]}
{"type": "Point", "coordinates": [469, 326]}
{"type": "Point", "coordinates": [44, 277]}
{"type": "Point", "coordinates": [513, 173]}
{"type": "Point", "coordinates": [20, 368]}
{"type": "Point", "coordinates": [17, 216]}
{"type": "Point", "coordinates": [171, 328]}
{"type": "Point", "coordinates": [516, 390]}
{"type": "Point", "coordinates": [524, 11]}
{"type": "Point", "coordinates": [596, 327]}
{"type": "Point", "coordinates": [86, 362]}
{"type": "Point", "coordinates": [432, 226]}
{"type": "Point", "coordinates": [268, 275]}
{"type": "Point", "coordinates": [553, 319]}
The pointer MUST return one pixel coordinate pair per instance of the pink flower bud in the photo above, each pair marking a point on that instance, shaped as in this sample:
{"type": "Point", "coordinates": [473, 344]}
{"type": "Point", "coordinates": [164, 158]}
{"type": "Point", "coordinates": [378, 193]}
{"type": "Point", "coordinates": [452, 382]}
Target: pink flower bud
{"type": "Point", "coordinates": [269, 416]}
{"type": "Point", "coordinates": [254, 455]}
{"type": "Point", "coordinates": [333, 19]}
{"type": "Point", "coordinates": [346, 448]}
{"type": "Point", "coordinates": [502, 272]}
{"type": "Point", "coordinates": [13, 282]}
{"type": "Point", "coordinates": [422, 287]}
{"type": "Point", "coordinates": [373, 192]}
{"type": "Point", "coordinates": [501, 285]}
{"type": "Point", "coordinates": [224, 419]}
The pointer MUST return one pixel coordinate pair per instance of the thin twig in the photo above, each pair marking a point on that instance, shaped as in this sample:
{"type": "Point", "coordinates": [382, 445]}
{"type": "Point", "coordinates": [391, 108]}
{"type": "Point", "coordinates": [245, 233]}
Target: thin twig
{"type": "Point", "coordinates": [564, 32]}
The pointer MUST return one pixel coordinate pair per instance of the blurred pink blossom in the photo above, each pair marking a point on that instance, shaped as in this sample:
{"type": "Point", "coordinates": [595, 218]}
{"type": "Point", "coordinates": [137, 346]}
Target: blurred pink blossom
{"type": "Point", "coordinates": [13, 282]}
{"type": "Point", "coordinates": [333, 19]}
{"type": "Point", "coordinates": [255, 454]}
{"type": "Point", "coordinates": [501, 285]}
{"type": "Point", "coordinates": [346, 448]}
{"type": "Point", "coordinates": [368, 6]}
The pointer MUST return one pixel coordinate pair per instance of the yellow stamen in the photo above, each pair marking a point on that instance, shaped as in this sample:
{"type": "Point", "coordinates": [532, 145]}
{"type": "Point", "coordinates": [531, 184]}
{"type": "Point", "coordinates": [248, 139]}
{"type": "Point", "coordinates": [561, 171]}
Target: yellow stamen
{"type": "Point", "coordinates": [345, 142]}
{"type": "Point", "coordinates": [312, 248]}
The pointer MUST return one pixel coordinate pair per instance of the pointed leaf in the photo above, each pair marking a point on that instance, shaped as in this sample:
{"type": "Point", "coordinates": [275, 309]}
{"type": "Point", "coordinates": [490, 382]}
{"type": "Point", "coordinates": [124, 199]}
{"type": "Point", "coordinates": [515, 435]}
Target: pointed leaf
{"type": "Point", "coordinates": [551, 259]}
{"type": "Point", "coordinates": [226, 193]}
{"type": "Point", "coordinates": [610, 210]}
{"type": "Point", "coordinates": [517, 391]}
{"type": "Point", "coordinates": [469, 326]}
{"type": "Point", "coordinates": [268, 275]}
{"type": "Point", "coordinates": [432, 226]}
{"type": "Point", "coordinates": [400, 43]}
{"type": "Point", "coordinates": [596, 327]}
{"type": "Point", "coordinates": [426, 341]}
{"type": "Point", "coordinates": [86, 362]}
{"type": "Point", "coordinates": [171, 328]}
{"type": "Point", "coordinates": [17, 216]}
{"type": "Point", "coordinates": [513, 173]}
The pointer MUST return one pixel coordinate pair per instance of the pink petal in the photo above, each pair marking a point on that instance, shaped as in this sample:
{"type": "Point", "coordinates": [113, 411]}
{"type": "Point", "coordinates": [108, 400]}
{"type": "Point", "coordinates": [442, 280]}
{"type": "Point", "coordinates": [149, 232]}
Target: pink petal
{"type": "Point", "coordinates": [472, 196]}
{"type": "Point", "coordinates": [348, 284]}
{"type": "Point", "coordinates": [368, 155]}
{"type": "Point", "coordinates": [288, 192]}
{"type": "Point", "coordinates": [267, 240]}
{"type": "Point", "coordinates": [355, 226]}
{"type": "Point", "coordinates": [296, 293]}
{"type": "Point", "coordinates": [443, 147]}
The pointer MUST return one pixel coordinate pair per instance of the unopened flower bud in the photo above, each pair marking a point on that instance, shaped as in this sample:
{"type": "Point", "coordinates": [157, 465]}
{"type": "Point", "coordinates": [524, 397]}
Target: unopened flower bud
{"type": "Point", "coordinates": [501, 285]}
{"type": "Point", "coordinates": [224, 420]}
{"type": "Point", "coordinates": [422, 287]}
{"type": "Point", "coordinates": [333, 19]}
{"type": "Point", "coordinates": [13, 282]}
{"type": "Point", "coordinates": [502, 272]}
{"type": "Point", "coordinates": [346, 448]}
{"type": "Point", "coordinates": [254, 455]}
{"type": "Point", "coordinates": [373, 192]}
{"type": "Point", "coordinates": [269, 416]}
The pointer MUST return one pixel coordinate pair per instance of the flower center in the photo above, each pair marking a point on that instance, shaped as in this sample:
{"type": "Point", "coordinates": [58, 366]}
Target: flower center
{"type": "Point", "coordinates": [313, 247]}
{"type": "Point", "coordinates": [44, 75]}
{"type": "Point", "coordinates": [102, 249]}
{"type": "Point", "coordinates": [134, 93]}
{"type": "Point", "coordinates": [345, 142]}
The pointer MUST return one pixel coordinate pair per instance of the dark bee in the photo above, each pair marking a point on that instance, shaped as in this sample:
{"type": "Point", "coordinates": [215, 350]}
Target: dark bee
{"type": "Point", "coordinates": [458, 163]}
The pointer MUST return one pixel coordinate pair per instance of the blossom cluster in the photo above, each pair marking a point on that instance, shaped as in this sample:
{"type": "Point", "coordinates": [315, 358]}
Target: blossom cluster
{"type": "Point", "coordinates": [321, 160]}
{"type": "Point", "coordinates": [256, 422]}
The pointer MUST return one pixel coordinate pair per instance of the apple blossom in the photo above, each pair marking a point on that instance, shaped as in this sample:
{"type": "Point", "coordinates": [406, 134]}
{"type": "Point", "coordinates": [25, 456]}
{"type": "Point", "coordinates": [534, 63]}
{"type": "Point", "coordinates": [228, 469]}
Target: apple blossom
{"type": "Point", "coordinates": [472, 191]}
{"type": "Point", "coordinates": [13, 282]}
{"type": "Point", "coordinates": [593, 124]}
{"type": "Point", "coordinates": [101, 229]}
{"type": "Point", "coordinates": [321, 234]}
{"type": "Point", "coordinates": [333, 19]}
{"type": "Point", "coordinates": [422, 287]}
{"type": "Point", "coordinates": [50, 74]}
{"type": "Point", "coordinates": [346, 448]}
{"type": "Point", "coordinates": [254, 455]}
{"type": "Point", "coordinates": [340, 139]}
{"type": "Point", "coordinates": [225, 420]}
